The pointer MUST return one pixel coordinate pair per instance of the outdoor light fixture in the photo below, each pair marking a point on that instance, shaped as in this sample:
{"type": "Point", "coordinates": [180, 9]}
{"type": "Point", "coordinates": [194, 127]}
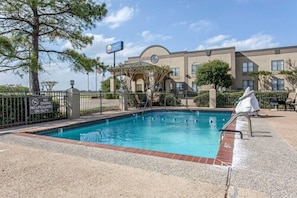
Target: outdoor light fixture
{"type": "Point", "coordinates": [188, 76]}
{"type": "Point", "coordinates": [71, 83]}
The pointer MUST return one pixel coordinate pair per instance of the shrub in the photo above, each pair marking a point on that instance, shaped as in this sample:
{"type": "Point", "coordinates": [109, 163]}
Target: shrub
{"type": "Point", "coordinates": [229, 99]}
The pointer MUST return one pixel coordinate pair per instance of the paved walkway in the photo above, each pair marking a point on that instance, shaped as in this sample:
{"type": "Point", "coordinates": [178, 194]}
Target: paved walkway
{"type": "Point", "coordinates": [263, 166]}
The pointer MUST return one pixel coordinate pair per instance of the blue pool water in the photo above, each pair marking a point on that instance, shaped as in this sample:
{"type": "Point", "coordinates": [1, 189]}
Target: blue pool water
{"type": "Point", "coordinates": [193, 133]}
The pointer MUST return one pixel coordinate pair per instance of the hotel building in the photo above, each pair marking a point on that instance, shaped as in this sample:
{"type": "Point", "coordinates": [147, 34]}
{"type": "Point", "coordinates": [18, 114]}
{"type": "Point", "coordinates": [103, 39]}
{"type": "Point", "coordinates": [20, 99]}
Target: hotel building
{"type": "Point", "coordinates": [184, 64]}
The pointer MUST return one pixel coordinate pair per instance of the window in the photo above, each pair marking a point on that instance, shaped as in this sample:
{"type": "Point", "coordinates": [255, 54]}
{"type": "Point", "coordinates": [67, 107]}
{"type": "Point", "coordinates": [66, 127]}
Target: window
{"type": "Point", "coordinates": [194, 68]}
{"type": "Point", "coordinates": [247, 67]}
{"type": "Point", "coordinates": [175, 71]}
{"type": "Point", "coordinates": [194, 86]}
{"type": "Point", "coordinates": [179, 86]}
{"type": "Point", "coordinates": [248, 83]}
{"type": "Point", "coordinates": [277, 65]}
{"type": "Point", "coordinates": [278, 84]}
{"type": "Point", "coordinates": [139, 87]}
{"type": "Point", "coordinates": [154, 58]}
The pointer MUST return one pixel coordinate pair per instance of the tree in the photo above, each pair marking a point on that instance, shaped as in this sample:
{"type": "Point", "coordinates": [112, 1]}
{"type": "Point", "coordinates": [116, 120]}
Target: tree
{"type": "Point", "coordinates": [291, 74]}
{"type": "Point", "coordinates": [263, 77]}
{"type": "Point", "coordinates": [12, 88]}
{"type": "Point", "coordinates": [214, 72]}
{"type": "Point", "coordinates": [105, 85]}
{"type": "Point", "coordinates": [31, 30]}
{"type": "Point", "coordinates": [48, 85]}
{"type": "Point", "coordinates": [159, 74]}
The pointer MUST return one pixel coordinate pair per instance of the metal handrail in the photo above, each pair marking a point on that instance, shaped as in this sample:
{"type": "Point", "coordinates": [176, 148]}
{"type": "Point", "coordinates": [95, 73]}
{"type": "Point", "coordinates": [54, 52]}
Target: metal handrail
{"type": "Point", "coordinates": [245, 114]}
{"type": "Point", "coordinates": [229, 130]}
{"type": "Point", "coordinates": [144, 107]}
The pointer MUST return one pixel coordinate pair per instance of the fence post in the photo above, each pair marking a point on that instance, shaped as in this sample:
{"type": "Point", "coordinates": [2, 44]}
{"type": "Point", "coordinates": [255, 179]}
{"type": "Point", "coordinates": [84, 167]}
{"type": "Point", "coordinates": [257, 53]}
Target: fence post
{"type": "Point", "coordinates": [123, 94]}
{"type": "Point", "coordinates": [212, 98]}
{"type": "Point", "coordinates": [26, 108]}
{"type": "Point", "coordinates": [73, 103]}
{"type": "Point", "coordinates": [100, 101]}
{"type": "Point", "coordinates": [187, 98]}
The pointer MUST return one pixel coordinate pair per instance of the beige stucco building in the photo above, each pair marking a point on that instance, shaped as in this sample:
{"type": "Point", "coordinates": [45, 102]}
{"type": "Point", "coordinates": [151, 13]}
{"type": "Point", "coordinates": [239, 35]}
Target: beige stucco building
{"type": "Point", "coordinates": [184, 65]}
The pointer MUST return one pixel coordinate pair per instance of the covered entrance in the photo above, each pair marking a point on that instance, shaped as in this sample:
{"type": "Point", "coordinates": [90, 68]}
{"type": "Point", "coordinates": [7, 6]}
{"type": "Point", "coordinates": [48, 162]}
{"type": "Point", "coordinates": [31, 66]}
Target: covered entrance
{"type": "Point", "coordinates": [139, 76]}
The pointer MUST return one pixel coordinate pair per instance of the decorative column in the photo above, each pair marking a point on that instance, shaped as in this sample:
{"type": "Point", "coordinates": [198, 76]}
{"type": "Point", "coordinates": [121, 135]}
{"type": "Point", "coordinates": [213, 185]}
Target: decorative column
{"type": "Point", "coordinates": [167, 85]}
{"type": "Point", "coordinates": [112, 84]}
{"type": "Point", "coordinates": [123, 99]}
{"type": "Point", "coordinates": [73, 102]}
{"type": "Point", "coordinates": [212, 98]}
{"type": "Point", "coordinates": [152, 80]}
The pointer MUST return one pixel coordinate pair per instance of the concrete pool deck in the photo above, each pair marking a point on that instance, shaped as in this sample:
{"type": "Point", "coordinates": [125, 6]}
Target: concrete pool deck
{"type": "Point", "coordinates": [263, 166]}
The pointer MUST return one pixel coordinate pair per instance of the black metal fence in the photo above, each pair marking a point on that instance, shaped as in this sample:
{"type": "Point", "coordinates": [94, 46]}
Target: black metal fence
{"type": "Point", "coordinates": [19, 108]}
{"type": "Point", "coordinates": [98, 102]}
{"type": "Point", "coordinates": [22, 108]}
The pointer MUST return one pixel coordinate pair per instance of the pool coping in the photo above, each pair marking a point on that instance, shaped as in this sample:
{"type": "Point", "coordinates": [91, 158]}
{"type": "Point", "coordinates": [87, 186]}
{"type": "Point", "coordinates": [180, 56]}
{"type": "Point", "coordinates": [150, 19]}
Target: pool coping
{"type": "Point", "coordinates": [224, 156]}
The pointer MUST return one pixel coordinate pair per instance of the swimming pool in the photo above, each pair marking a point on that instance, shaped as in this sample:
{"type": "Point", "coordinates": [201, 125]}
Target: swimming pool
{"type": "Point", "coordinates": [194, 133]}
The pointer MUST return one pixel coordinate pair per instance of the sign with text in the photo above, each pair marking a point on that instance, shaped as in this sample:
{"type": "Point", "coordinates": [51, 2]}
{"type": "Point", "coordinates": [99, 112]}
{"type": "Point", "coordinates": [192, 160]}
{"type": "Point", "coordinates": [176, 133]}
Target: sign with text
{"type": "Point", "coordinates": [41, 104]}
{"type": "Point", "coordinates": [114, 47]}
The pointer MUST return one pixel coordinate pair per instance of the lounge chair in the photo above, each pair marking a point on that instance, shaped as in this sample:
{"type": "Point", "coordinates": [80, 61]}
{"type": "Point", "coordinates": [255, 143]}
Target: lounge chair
{"type": "Point", "coordinates": [274, 102]}
{"type": "Point", "coordinates": [139, 103]}
{"type": "Point", "coordinates": [291, 100]}
{"type": "Point", "coordinates": [288, 103]}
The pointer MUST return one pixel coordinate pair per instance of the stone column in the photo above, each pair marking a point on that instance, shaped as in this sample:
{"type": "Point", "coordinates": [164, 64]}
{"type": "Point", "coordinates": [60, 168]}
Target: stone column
{"type": "Point", "coordinates": [212, 98]}
{"type": "Point", "coordinates": [152, 81]}
{"type": "Point", "coordinates": [167, 85]}
{"type": "Point", "coordinates": [112, 84]}
{"type": "Point", "coordinates": [123, 97]}
{"type": "Point", "coordinates": [73, 103]}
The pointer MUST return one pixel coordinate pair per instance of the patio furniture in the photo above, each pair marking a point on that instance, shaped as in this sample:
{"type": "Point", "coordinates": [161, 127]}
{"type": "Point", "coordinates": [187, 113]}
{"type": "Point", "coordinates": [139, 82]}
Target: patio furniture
{"type": "Point", "coordinates": [140, 103]}
{"type": "Point", "coordinates": [288, 103]}
{"type": "Point", "coordinates": [291, 100]}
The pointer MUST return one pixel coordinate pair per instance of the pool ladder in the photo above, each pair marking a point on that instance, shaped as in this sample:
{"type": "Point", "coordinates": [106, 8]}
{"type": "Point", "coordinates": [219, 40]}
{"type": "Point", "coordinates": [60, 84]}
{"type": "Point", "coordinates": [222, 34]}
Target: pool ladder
{"type": "Point", "coordinates": [235, 116]}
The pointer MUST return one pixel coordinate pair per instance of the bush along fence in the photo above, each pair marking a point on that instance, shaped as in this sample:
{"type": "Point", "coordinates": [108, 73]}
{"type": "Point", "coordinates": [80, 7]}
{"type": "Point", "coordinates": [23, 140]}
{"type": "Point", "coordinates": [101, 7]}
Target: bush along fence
{"type": "Point", "coordinates": [19, 108]}
{"type": "Point", "coordinates": [230, 99]}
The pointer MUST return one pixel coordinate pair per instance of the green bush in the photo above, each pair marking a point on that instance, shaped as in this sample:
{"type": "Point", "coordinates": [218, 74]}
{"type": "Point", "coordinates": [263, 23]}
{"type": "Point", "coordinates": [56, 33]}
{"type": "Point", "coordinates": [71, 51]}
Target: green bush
{"type": "Point", "coordinates": [265, 97]}
{"type": "Point", "coordinates": [202, 100]}
{"type": "Point", "coordinates": [169, 99]}
{"type": "Point", "coordinates": [230, 99]}
{"type": "Point", "coordinates": [111, 96]}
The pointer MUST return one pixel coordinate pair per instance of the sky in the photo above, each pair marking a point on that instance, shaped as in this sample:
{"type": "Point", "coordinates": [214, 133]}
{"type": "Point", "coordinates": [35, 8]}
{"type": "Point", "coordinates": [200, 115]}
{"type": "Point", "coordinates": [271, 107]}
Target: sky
{"type": "Point", "coordinates": [178, 25]}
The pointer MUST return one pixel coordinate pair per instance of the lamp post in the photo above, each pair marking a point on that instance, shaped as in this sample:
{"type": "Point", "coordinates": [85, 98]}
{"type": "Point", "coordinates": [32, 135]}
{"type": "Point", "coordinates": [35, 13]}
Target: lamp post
{"type": "Point", "coordinates": [88, 85]}
{"type": "Point", "coordinates": [71, 83]}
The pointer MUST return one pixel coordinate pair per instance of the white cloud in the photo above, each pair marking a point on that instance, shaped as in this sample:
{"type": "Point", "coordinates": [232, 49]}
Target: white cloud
{"type": "Point", "coordinates": [116, 19]}
{"type": "Point", "coordinates": [217, 39]}
{"type": "Point", "coordinates": [98, 49]}
{"type": "Point", "coordinates": [150, 37]}
{"type": "Point", "coordinates": [201, 25]}
{"type": "Point", "coordinates": [257, 41]}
